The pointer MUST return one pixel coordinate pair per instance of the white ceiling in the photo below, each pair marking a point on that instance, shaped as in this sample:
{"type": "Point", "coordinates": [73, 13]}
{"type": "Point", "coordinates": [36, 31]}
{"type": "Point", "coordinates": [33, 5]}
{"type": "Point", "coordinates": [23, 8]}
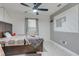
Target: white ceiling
{"type": "Point", "coordinates": [17, 7]}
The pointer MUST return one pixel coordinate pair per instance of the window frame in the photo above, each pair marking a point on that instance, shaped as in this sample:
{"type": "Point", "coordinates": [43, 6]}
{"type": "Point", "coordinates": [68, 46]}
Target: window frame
{"type": "Point", "coordinates": [26, 25]}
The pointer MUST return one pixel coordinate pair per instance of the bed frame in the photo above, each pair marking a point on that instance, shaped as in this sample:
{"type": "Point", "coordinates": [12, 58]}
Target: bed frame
{"type": "Point", "coordinates": [5, 27]}
{"type": "Point", "coordinates": [22, 49]}
{"type": "Point", "coordinates": [13, 50]}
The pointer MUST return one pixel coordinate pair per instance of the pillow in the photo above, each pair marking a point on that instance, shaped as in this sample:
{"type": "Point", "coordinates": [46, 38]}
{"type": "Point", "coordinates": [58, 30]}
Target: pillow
{"type": "Point", "coordinates": [13, 34]}
{"type": "Point", "coordinates": [7, 34]}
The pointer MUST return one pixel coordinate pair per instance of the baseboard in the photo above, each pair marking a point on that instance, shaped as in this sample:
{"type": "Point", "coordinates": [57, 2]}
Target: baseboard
{"type": "Point", "coordinates": [69, 51]}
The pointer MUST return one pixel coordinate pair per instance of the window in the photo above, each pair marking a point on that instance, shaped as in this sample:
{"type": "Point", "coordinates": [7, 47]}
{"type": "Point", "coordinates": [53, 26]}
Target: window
{"type": "Point", "coordinates": [60, 21]}
{"type": "Point", "coordinates": [32, 26]}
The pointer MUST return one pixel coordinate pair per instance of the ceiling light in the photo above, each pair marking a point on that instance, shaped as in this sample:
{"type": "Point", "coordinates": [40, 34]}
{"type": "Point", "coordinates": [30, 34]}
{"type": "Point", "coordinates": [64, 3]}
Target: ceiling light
{"type": "Point", "coordinates": [34, 10]}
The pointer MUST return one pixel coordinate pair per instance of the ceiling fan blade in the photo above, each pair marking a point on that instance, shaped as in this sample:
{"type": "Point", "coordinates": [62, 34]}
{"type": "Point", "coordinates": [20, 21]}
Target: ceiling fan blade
{"type": "Point", "coordinates": [36, 5]}
{"type": "Point", "coordinates": [24, 4]}
{"type": "Point", "coordinates": [41, 9]}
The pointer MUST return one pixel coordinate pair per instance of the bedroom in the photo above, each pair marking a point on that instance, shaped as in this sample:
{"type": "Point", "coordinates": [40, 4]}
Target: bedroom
{"type": "Point", "coordinates": [16, 15]}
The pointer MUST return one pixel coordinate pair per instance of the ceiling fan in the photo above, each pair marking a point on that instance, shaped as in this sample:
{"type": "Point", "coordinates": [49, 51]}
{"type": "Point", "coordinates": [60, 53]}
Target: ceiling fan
{"type": "Point", "coordinates": [35, 8]}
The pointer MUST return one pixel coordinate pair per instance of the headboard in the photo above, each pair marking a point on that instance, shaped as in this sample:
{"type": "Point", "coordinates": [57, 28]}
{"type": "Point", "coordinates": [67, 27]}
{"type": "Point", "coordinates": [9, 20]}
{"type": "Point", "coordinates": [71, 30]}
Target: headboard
{"type": "Point", "coordinates": [5, 27]}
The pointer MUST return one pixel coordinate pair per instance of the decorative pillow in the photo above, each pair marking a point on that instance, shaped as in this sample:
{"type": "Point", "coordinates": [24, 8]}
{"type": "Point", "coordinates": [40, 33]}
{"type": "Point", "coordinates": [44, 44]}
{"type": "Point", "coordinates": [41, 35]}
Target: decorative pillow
{"type": "Point", "coordinates": [13, 34]}
{"type": "Point", "coordinates": [7, 34]}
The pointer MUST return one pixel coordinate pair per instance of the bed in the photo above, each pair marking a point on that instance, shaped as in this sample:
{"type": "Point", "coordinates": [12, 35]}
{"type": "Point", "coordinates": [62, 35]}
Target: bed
{"type": "Point", "coordinates": [19, 44]}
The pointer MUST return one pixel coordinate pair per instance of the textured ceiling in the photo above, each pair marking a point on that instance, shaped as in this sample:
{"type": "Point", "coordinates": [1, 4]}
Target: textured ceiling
{"type": "Point", "coordinates": [17, 7]}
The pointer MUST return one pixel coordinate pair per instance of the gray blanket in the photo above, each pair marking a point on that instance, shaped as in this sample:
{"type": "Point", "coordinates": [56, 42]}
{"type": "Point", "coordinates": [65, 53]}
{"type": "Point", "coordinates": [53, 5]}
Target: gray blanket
{"type": "Point", "coordinates": [35, 41]}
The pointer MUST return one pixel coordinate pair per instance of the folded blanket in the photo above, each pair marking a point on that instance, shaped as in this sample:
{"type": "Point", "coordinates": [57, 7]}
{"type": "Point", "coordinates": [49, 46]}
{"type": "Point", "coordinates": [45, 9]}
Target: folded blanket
{"type": "Point", "coordinates": [35, 41]}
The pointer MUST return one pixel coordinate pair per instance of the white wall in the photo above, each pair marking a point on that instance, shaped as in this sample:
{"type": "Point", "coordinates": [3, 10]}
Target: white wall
{"type": "Point", "coordinates": [44, 25]}
{"type": "Point", "coordinates": [71, 23]}
{"type": "Point", "coordinates": [68, 34]}
{"type": "Point", "coordinates": [4, 15]}
{"type": "Point", "coordinates": [16, 19]}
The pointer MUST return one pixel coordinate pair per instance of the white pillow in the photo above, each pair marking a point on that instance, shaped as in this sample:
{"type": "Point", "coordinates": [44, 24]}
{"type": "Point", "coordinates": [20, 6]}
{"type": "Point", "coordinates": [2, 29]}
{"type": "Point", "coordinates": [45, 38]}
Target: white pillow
{"type": "Point", "coordinates": [7, 34]}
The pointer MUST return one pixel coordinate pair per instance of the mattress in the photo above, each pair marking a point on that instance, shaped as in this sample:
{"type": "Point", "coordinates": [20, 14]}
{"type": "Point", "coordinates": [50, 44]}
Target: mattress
{"type": "Point", "coordinates": [20, 40]}
{"type": "Point", "coordinates": [15, 40]}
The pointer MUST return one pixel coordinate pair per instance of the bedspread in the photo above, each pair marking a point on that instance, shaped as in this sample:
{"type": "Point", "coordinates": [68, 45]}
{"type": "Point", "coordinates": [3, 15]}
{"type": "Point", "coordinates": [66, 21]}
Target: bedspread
{"type": "Point", "coordinates": [19, 40]}
{"type": "Point", "coordinates": [35, 41]}
{"type": "Point", "coordinates": [13, 41]}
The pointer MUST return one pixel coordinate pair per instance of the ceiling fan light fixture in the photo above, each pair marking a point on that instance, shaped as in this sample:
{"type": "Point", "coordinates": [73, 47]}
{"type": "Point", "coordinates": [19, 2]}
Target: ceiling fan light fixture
{"type": "Point", "coordinates": [35, 10]}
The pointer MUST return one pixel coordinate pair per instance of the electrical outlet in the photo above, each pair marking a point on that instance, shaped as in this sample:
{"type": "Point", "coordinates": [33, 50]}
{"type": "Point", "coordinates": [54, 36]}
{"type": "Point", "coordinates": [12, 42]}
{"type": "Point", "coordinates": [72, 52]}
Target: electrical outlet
{"type": "Point", "coordinates": [64, 42]}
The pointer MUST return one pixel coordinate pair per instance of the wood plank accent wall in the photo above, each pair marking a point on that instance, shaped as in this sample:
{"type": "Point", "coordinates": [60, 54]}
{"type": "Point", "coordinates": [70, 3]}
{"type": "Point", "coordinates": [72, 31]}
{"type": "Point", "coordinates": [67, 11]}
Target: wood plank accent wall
{"type": "Point", "coordinates": [5, 27]}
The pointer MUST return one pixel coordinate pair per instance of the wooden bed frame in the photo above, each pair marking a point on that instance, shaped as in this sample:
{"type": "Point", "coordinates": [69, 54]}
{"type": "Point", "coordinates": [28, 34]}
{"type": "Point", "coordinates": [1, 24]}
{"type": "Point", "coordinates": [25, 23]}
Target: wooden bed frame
{"type": "Point", "coordinates": [4, 27]}
{"type": "Point", "coordinates": [22, 49]}
{"type": "Point", "coordinates": [13, 50]}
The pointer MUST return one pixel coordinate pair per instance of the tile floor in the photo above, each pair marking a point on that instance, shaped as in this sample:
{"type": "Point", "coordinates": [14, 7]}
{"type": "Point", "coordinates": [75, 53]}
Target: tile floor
{"type": "Point", "coordinates": [54, 50]}
{"type": "Point", "coordinates": [50, 49]}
